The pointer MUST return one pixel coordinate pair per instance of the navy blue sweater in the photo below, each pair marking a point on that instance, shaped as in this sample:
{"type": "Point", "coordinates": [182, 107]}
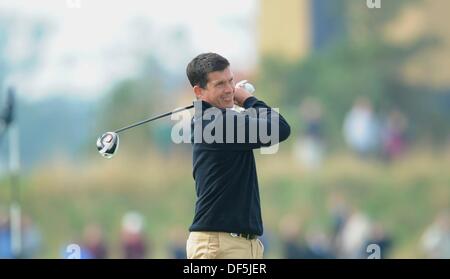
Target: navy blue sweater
{"type": "Point", "coordinates": [225, 176]}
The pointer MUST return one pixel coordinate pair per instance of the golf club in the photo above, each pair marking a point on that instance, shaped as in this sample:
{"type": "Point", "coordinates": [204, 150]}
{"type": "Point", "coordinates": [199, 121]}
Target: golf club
{"type": "Point", "coordinates": [108, 143]}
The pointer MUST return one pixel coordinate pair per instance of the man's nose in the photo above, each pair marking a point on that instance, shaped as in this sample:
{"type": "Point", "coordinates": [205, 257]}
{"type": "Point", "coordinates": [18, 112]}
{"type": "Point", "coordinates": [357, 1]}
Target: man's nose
{"type": "Point", "coordinates": [230, 88]}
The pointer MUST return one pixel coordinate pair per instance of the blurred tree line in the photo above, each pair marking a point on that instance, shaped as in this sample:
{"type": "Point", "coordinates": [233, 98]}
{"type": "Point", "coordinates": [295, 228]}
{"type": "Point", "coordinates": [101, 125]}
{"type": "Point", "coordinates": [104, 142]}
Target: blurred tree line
{"type": "Point", "coordinates": [359, 62]}
{"type": "Point", "coordinates": [136, 99]}
{"type": "Point", "coordinates": [33, 32]}
{"type": "Point", "coordinates": [152, 91]}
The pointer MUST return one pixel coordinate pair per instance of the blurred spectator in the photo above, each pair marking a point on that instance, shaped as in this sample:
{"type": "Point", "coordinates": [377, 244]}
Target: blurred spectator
{"type": "Point", "coordinates": [177, 246]}
{"type": "Point", "coordinates": [134, 245]}
{"type": "Point", "coordinates": [361, 128]}
{"type": "Point", "coordinates": [31, 238]}
{"type": "Point", "coordinates": [290, 231]}
{"type": "Point", "coordinates": [354, 236]}
{"type": "Point", "coordinates": [339, 214]}
{"type": "Point", "coordinates": [319, 244]}
{"type": "Point", "coordinates": [93, 242]}
{"type": "Point", "coordinates": [5, 236]}
{"type": "Point", "coordinates": [436, 238]}
{"type": "Point", "coordinates": [310, 144]}
{"type": "Point", "coordinates": [394, 135]}
{"type": "Point", "coordinates": [379, 237]}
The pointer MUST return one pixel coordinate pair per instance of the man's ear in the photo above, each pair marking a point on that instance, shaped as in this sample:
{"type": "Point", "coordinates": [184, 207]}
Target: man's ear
{"type": "Point", "coordinates": [198, 92]}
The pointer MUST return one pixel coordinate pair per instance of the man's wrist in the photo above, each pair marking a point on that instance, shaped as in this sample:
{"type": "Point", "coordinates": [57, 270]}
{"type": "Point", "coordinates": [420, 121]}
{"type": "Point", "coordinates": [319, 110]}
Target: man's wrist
{"type": "Point", "coordinates": [242, 102]}
{"type": "Point", "coordinates": [249, 102]}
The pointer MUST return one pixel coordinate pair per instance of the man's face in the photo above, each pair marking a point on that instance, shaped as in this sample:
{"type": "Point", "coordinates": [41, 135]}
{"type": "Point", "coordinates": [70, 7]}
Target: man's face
{"type": "Point", "coordinates": [219, 90]}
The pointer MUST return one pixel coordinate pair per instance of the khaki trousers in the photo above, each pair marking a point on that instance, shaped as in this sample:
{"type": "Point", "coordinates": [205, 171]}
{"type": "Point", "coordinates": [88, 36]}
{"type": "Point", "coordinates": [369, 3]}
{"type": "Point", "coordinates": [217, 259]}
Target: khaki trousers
{"type": "Point", "coordinates": [221, 245]}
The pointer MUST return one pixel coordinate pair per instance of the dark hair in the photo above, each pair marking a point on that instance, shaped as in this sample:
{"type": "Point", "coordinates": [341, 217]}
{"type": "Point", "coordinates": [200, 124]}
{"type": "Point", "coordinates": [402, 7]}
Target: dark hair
{"type": "Point", "coordinates": [198, 69]}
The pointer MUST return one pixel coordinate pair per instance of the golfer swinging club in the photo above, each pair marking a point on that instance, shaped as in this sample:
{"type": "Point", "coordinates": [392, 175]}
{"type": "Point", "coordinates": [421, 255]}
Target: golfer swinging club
{"type": "Point", "coordinates": [227, 220]}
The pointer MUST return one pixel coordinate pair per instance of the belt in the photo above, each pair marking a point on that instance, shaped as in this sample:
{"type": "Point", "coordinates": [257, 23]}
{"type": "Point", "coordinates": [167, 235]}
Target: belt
{"type": "Point", "coordinates": [244, 235]}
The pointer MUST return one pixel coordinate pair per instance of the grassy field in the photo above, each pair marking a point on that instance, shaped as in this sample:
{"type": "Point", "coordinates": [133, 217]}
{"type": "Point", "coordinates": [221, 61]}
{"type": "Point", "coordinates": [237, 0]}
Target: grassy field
{"type": "Point", "coordinates": [63, 198]}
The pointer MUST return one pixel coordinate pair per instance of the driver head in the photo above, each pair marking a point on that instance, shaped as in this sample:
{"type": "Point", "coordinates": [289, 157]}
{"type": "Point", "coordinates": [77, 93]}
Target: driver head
{"type": "Point", "coordinates": [108, 144]}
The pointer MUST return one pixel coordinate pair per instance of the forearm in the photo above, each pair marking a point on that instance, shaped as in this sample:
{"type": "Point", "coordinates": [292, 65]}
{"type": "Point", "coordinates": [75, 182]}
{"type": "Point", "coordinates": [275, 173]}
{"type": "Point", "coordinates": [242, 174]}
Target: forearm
{"type": "Point", "coordinates": [266, 113]}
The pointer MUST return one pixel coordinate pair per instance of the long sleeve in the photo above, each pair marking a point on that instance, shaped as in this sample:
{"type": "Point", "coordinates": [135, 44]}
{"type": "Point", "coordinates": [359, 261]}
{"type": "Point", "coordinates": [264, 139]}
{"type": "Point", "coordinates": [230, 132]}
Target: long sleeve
{"type": "Point", "coordinates": [257, 126]}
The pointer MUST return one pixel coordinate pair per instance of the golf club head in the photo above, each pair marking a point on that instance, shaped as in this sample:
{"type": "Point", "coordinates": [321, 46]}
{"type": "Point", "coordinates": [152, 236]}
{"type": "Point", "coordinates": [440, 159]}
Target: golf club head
{"type": "Point", "coordinates": [108, 144]}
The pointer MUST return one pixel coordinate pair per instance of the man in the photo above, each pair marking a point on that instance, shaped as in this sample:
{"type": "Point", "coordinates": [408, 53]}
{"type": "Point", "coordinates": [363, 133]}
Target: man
{"type": "Point", "coordinates": [227, 219]}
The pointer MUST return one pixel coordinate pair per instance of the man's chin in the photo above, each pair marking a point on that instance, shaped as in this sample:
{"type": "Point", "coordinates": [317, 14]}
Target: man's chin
{"type": "Point", "coordinates": [225, 105]}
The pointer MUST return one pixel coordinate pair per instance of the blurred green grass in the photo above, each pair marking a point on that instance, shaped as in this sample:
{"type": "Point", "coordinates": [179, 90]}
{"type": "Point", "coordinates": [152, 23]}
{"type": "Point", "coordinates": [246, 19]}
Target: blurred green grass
{"type": "Point", "coordinates": [63, 198]}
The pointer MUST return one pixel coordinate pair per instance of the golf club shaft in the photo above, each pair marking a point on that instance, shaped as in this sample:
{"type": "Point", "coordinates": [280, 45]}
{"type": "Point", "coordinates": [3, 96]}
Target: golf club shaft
{"type": "Point", "coordinates": [151, 119]}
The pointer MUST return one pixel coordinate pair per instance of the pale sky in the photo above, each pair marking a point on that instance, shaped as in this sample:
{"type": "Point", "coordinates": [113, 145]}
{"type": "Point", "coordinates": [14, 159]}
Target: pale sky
{"type": "Point", "coordinates": [93, 43]}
